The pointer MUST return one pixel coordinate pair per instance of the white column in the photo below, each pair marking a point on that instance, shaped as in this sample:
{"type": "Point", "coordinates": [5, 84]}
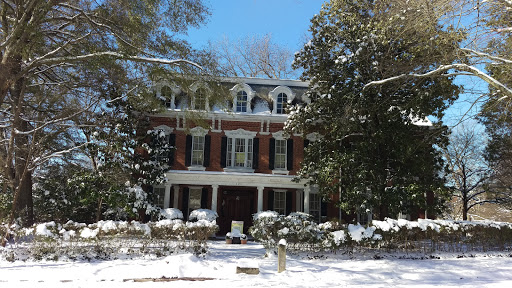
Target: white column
{"type": "Point", "coordinates": [167, 195]}
{"type": "Point", "coordinates": [260, 198]}
{"type": "Point", "coordinates": [306, 199]}
{"type": "Point", "coordinates": [176, 196]}
{"type": "Point", "coordinates": [215, 189]}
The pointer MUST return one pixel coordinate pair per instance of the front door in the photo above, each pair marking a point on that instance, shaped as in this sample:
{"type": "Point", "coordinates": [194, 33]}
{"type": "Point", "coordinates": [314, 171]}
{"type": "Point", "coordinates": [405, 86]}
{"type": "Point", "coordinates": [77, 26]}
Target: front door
{"type": "Point", "coordinates": [236, 205]}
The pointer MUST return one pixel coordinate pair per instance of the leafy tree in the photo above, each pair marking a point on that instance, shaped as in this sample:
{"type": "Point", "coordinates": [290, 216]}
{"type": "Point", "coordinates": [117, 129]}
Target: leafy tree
{"type": "Point", "coordinates": [53, 56]}
{"type": "Point", "coordinates": [372, 148]}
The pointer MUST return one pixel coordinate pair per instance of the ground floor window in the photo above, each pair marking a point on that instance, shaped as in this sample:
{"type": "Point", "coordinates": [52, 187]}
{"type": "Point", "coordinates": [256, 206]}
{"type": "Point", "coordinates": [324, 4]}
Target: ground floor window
{"type": "Point", "coordinates": [194, 200]}
{"type": "Point", "coordinates": [159, 194]}
{"type": "Point", "coordinates": [315, 208]}
{"type": "Point", "coordinates": [280, 202]}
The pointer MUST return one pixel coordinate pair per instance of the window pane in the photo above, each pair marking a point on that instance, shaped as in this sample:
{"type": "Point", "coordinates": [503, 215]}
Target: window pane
{"type": "Point", "coordinates": [197, 150]}
{"type": "Point", "coordinates": [194, 201]}
{"type": "Point", "coordinates": [200, 99]}
{"type": "Point", "coordinates": [241, 101]}
{"type": "Point", "coordinates": [280, 154]}
{"type": "Point", "coordinates": [280, 202]}
{"type": "Point", "coordinates": [159, 194]}
{"type": "Point", "coordinates": [314, 206]}
{"type": "Point", "coordinates": [281, 103]}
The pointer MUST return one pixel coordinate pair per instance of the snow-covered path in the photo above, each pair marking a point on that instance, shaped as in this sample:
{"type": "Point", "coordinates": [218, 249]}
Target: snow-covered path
{"type": "Point", "coordinates": [221, 263]}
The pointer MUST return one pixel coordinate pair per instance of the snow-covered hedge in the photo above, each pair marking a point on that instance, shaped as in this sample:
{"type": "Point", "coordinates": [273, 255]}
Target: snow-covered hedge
{"type": "Point", "coordinates": [301, 233]}
{"type": "Point", "coordinates": [74, 240]}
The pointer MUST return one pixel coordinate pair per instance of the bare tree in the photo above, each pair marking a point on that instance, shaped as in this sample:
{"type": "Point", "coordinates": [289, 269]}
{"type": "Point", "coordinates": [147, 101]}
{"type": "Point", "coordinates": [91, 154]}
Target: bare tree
{"type": "Point", "coordinates": [469, 173]}
{"type": "Point", "coordinates": [253, 56]}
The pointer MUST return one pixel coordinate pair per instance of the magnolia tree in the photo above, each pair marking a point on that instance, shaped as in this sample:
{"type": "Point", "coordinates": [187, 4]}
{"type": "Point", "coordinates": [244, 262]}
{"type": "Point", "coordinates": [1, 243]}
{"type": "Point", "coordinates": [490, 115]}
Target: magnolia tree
{"type": "Point", "coordinates": [373, 145]}
{"type": "Point", "coordinates": [63, 62]}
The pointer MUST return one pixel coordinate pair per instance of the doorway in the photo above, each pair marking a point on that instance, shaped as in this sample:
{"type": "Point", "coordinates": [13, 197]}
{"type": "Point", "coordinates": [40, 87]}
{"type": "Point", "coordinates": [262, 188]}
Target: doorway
{"type": "Point", "coordinates": [236, 205]}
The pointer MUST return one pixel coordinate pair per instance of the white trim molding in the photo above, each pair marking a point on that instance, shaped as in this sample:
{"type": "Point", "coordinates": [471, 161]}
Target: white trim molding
{"type": "Point", "coordinates": [278, 90]}
{"type": "Point", "coordinates": [247, 89]}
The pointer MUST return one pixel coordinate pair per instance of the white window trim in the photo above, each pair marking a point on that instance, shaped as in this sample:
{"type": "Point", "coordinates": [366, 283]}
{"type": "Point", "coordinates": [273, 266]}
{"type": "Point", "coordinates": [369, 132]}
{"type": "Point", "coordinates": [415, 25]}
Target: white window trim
{"type": "Point", "coordinates": [279, 135]}
{"type": "Point", "coordinates": [196, 86]}
{"type": "Point", "coordinates": [278, 90]}
{"type": "Point", "coordinates": [174, 89]}
{"type": "Point", "coordinates": [319, 206]}
{"type": "Point", "coordinates": [167, 130]}
{"type": "Point", "coordinates": [241, 134]}
{"type": "Point", "coordinates": [200, 132]}
{"type": "Point", "coordinates": [190, 188]}
{"type": "Point", "coordinates": [250, 94]}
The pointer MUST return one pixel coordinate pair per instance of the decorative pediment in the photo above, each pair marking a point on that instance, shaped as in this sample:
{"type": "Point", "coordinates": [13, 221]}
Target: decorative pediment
{"type": "Point", "coordinates": [240, 133]}
{"type": "Point", "coordinates": [167, 130]}
{"type": "Point", "coordinates": [198, 131]}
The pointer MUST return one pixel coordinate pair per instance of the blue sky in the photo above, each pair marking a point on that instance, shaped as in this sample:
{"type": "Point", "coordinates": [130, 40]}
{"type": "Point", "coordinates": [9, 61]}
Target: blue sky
{"type": "Point", "coordinates": [286, 20]}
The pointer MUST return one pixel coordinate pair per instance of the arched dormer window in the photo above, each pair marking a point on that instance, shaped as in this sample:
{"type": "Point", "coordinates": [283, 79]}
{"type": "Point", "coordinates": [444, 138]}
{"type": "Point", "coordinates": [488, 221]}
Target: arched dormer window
{"type": "Point", "coordinates": [282, 98]}
{"type": "Point", "coordinates": [241, 101]}
{"type": "Point", "coordinates": [281, 95]}
{"type": "Point", "coordinates": [167, 96]}
{"type": "Point", "coordinates": [199, 99]}
{"type": "Point", "coordinates": [242, 96]}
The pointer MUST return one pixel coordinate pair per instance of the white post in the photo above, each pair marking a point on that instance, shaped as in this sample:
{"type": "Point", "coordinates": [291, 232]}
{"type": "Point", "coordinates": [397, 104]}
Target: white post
{"type": "Point", "coordinates": [306, 199]}
{"type": "Point", "coordinates": [260, 198]}
{"type": "Point", "coordinates": [176, 196]}
{"type": "Point", "coordinates": [167, 196]}
{"type": "Point", "coordinates": [281, 256]}
{"type": "Point", "coordinates": [215, 191]}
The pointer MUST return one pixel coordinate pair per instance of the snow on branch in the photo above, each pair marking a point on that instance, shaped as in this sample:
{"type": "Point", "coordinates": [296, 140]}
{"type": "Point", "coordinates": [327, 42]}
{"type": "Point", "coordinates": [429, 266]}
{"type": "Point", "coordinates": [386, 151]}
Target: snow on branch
{"type": "Point", "coordinates": [443, 68]}
{"type": "Point", "coordinates": [486, 55]}
{"type": "Point", "coordinates": [72, 59]}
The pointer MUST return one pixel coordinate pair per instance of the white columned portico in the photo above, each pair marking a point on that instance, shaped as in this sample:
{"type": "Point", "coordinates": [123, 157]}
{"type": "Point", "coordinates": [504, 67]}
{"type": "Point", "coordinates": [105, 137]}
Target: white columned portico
{"type": "Point", "coordinates": [167, 195]}
{"type": "Point", "coordinates": [215, 192]}
{"type": "Point", "coordinates": [260, 198]}
{"type": "Point", "coordinates": [176, 196]}
{"type": "Point", "coordinates": [306, 199]}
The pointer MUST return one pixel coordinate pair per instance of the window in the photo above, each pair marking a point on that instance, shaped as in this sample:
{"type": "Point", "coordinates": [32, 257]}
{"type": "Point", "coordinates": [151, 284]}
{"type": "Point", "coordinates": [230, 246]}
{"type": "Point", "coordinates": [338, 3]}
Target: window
{"type": "Point", "coordinates": [280, 155]}
{"type": "Point", "coordinates": [280, 202]}
{"type": "Point", "coordinates": [197, 150]}
{"type": "Point", "coordinates": [199, 99]}
{"type": "Point", "coordinates": [159, 193]}
{"type": "Point", "coordinates": [241, 101]}
{"type": "Point", "coordinates": [166, 96]}
{"type": "Point", "coordinates": [315, 206]}
{"type": "Point", "coordinates": [163, 155]}
{"type": "Point", "coordinates": [194, 199]}
{"type": "Point", "coordinates": [239, 152]}
{"type": "Point", "coordinates": [281, 103]}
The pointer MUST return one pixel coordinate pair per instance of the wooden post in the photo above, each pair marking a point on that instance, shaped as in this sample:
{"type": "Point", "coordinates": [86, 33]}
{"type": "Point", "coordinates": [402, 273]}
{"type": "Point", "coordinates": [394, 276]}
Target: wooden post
{"type": "Point", "coordinates": [281, 256]}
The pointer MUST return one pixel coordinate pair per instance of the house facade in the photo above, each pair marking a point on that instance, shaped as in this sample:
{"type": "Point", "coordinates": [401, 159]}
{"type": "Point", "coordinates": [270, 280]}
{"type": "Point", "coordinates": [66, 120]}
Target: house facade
{"type": "Point", "coordinates": [238, 160]}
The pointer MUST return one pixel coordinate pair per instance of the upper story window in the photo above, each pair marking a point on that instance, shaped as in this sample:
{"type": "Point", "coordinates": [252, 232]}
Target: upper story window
{"type": "Point", "coordinates": [200, 100]}
{"type": "Point", "coordinates": [197, 150]}
{"type": "Point", "coordinates": [239, 153]}
{"type": "Point", "coordinates": [280, 154]}
{"type": "Point", "coordinates": [282, 98]}
{"type": "Point", "coordinates": [281, 95]}
{"type": "Point", "coordinates": [241, 101]}
{"type": "Point", "coordinates": [239, 150]}
{"type": "Point", "coordinates": [166, 94]}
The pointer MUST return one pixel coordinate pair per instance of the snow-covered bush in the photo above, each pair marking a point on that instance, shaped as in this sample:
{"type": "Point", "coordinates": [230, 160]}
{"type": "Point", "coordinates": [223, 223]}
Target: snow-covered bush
{"type": "Point", "coordinates": [203, 214]}
{"type": "Point", "coordinates": [170, 214]}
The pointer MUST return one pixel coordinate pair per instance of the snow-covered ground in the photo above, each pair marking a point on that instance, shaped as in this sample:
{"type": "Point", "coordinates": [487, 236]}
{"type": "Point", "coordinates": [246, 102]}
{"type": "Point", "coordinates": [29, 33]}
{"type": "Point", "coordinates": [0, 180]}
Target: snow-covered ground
{"type": "Point", "coordinates": [325, 270]}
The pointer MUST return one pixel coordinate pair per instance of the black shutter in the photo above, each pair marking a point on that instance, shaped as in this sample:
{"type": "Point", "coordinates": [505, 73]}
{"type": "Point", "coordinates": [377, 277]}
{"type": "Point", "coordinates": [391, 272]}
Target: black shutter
{"type": "Point", "coordinates": [188, 150]}
{"type": "Point", "coordinates": [323, 212]}
{"type": "Point", "coordinates": [207, 142]}
{"type": "Point", "coordinates": [204, 198]}
{"type": "Point", "coordinates": [172, 152]}
{"type": "Point", "coordinates": [223, 151]}
{"type": "Point", "coordinates": [184, 203]}
{"type": "Point", "coordinates": [289, 154]}
{"type": "Point", "coordinates": [271, 153]}
{"type": "Point", "coordinates": [255, 152]}
{"type": "Point", "coordinates": [306, 143]}
{"type": "Point", "coordinates": [270, 200]}
{"type": "Point", "coordinates": [289, 198]}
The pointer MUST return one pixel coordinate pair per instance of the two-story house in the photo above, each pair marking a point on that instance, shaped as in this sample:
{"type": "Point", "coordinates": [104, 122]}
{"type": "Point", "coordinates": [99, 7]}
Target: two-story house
{"type": "Point", "coordinates": [241, 161]}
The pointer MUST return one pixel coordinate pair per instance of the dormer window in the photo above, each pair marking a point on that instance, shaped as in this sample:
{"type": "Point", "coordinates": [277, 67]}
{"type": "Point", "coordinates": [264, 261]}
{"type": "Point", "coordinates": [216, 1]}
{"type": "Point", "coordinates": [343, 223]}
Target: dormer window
{"type": "Point", "coordinates": [281, 95]}
{"type": "Point", "coordinates": [199, 99]}
{"type": "Point", "coordinates": [241, 101]}
{"type": "Point", "coordinates": [166, 94]}
{"type": "Point", "coordinates": [282, 98]}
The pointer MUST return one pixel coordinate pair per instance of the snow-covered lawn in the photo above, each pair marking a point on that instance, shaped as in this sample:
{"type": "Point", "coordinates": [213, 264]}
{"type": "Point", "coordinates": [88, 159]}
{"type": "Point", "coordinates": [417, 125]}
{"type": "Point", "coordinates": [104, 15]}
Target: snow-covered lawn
{"type": "Point", "coordinates": [326, 270]}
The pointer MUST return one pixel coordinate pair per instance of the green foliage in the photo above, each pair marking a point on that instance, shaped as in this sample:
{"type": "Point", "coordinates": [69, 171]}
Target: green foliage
{"type": "Point", "coordinates": [372, 145]}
